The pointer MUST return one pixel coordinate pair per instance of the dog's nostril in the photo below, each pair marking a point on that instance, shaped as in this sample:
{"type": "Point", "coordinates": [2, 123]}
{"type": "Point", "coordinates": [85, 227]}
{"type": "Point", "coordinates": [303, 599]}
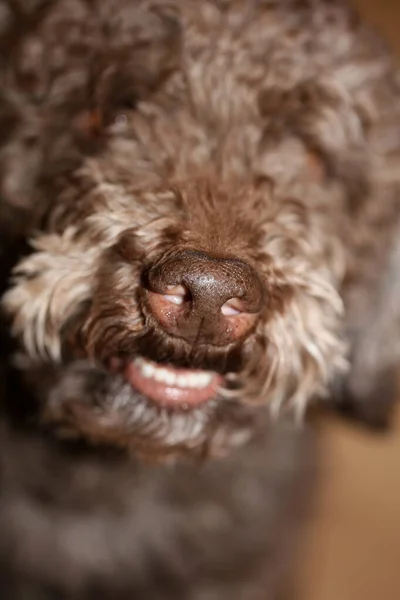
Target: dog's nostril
{"type": "Point", "coordinates": [233, 307]}
{"type": "Point", "coordinates": [176, 294]}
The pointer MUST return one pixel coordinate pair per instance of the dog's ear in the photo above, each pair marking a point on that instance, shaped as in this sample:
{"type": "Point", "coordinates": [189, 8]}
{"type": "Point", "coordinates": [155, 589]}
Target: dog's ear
{"type": "Point", "coordinates": [372, 388]}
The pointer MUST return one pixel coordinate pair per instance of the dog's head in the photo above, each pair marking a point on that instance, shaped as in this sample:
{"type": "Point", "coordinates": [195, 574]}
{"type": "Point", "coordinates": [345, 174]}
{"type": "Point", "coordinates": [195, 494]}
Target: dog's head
{"type": "Point", "coordinates": [174, 293]}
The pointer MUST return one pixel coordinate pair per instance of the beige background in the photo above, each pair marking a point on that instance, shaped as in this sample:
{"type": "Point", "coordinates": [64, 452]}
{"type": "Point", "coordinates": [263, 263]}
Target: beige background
{"type": "Point", "coordinates": [352, 551]}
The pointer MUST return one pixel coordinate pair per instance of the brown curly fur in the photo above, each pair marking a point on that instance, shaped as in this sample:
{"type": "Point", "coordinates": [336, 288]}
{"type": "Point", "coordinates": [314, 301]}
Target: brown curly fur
{"type": "Point", "coordinates": [264, 131]}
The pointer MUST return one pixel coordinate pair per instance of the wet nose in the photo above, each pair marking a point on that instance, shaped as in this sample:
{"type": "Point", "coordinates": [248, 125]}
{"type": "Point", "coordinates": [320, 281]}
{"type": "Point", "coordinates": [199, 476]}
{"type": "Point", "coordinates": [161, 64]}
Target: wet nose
{"type": "Point", "coordinates": [198, 297]}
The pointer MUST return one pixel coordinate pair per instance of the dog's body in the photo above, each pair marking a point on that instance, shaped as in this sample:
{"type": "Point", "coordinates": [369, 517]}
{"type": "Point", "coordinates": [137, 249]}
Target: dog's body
{"type": "Point", "coordinates": [213, 187]}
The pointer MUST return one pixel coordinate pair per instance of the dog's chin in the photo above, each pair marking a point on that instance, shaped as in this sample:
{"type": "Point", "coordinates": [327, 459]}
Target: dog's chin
{"type": "Point", "coordinates": [155, 410]}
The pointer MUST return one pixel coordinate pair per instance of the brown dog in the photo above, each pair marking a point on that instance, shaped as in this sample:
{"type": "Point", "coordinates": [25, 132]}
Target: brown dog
{"type": "Point", "coordinates": [211, 195]}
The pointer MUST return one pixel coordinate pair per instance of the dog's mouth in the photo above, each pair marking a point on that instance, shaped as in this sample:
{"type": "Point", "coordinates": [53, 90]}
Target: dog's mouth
{"type": "Point", "coordinates": [167, 385]}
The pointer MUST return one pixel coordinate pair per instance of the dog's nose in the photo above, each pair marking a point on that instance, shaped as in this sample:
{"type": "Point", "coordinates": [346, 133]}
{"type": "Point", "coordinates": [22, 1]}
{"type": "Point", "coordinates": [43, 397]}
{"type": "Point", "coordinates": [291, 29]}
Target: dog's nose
{"type": "Point", "coordinates": [204, 299]}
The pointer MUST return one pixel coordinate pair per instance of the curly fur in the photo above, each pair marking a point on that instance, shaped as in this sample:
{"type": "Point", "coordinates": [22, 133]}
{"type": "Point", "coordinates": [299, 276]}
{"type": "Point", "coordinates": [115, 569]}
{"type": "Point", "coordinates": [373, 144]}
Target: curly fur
{"type": "Point", "coordinates": [265, 131]}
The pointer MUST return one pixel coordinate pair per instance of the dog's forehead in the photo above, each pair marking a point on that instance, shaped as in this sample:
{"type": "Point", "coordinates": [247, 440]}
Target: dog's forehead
{"type": "Point", "coordinates": [168, 91]}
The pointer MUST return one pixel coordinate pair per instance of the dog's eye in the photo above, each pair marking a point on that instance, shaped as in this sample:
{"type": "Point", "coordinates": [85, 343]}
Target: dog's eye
{"type": "Point", "coordinates": [118, 111]}
{"type": "Point", "coordinates": [89, 123]}
{"type": "Point", "coordinates": [121, 100]}
{"type": "Point", "coordinates": [127, 103]}
{"type": "Point", "coordinates": [120, 121]}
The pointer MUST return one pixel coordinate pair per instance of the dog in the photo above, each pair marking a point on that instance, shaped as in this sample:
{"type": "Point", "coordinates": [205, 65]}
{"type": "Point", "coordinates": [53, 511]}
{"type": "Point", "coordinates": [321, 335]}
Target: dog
{"type": "Point", "coordinates": [200, 241]}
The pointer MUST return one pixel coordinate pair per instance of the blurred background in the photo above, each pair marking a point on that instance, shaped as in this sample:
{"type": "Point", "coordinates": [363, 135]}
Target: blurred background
{"type": "Point", "coordinates": [352, 550]}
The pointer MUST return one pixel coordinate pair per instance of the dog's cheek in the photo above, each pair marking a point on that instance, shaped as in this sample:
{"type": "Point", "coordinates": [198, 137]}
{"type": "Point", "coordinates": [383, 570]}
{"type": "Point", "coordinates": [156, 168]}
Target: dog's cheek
{"type": "Point", "coordinates": [48, 288]}
{"type": "Point", "coordinates": [307, 335]}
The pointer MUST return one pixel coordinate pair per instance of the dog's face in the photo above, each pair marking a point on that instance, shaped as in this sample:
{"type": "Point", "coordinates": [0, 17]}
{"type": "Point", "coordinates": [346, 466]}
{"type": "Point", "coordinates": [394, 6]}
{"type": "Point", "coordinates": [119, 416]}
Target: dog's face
{"type": "Point", "coordinates": [173, 297]}
{"type": "Point", "coordinates": [197, 305]}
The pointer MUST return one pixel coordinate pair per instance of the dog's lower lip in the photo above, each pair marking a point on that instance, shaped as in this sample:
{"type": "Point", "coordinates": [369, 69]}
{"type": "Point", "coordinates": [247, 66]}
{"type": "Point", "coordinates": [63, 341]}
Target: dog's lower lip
{"type": "Point", "coordinates": [179, 389]}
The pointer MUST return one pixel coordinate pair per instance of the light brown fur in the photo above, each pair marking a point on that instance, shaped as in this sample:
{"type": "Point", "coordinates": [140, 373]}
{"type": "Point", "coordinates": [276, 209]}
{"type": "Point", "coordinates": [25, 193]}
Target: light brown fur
{"type": "Point", "coordinates": [265, 132]}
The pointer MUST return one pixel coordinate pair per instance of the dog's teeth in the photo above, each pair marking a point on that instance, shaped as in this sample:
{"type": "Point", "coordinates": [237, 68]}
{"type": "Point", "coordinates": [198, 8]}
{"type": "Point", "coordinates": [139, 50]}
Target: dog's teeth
{"type": "Point", "coordinates": [205, 378]}
{"type": "Point", "coordinates": [160, 374]}
{"type": "Point", "coordinates": [169, 377]}
{"type": "Point", "coordinates": [195, 380]}
{"type": "Point", "coordinates": [182, 381]}
{"type": "Point", "coordinates": [192, 380]}
{"type": "Point", "coordinates": [147, 369]}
